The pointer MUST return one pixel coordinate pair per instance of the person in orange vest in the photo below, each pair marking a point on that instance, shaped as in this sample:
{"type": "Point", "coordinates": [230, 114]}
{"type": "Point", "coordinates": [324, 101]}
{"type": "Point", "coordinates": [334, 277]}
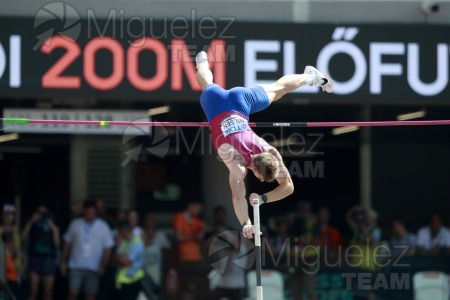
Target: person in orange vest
{"type": "Point", "coordinates": [10, 236]}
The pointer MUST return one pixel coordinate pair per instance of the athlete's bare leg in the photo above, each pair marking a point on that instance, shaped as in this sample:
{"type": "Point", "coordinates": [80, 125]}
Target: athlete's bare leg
{"type": "Point", "coordinates": [289, 83]}
{"type": "Point", "coordinates": [204, 74]}
{"type": "Point", "coordinates": [276, 90]}
{"type": "Point", "coordinates": [284, 85]}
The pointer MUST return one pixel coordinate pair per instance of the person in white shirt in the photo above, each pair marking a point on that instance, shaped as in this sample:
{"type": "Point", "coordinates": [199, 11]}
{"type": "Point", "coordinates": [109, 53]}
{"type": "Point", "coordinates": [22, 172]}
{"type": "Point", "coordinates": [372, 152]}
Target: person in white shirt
{"type": "Point", "coordinates": [155, 242]}
{"type": "Point", "coordinates": [434, 239]}
{"type": "Point", "coordinates": [401, 238]}
{"type": "Point", "coordinates": [86, 251]}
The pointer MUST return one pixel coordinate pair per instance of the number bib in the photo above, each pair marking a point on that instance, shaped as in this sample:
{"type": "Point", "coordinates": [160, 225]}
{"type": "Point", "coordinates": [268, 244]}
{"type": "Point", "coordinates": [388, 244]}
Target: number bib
{"type": "Point", "coordinates": [233, 124]}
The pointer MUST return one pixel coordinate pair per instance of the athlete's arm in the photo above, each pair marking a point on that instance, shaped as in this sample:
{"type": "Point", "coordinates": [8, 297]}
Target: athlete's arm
{"type": "Point", "coordinates": [285, 186]}
{"type": "Point", "coordinates": [237, 185]}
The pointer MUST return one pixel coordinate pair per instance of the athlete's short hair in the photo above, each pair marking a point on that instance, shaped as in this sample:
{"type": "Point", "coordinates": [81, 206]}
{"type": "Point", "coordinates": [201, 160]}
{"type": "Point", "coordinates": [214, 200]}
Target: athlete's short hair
{"type": "Point", "coordinates": [267, 165]}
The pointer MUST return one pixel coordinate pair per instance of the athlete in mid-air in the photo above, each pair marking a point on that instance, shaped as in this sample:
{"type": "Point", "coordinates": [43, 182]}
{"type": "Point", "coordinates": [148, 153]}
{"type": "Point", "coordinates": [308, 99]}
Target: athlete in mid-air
{"type": "Point", "coordinates": [237, 145]}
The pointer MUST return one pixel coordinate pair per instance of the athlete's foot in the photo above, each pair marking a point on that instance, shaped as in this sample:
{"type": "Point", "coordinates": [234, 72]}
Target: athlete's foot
{"type": "Point", "coordinates": [317, 78]}
{"type": "Point", "coordinates": [202, 58]}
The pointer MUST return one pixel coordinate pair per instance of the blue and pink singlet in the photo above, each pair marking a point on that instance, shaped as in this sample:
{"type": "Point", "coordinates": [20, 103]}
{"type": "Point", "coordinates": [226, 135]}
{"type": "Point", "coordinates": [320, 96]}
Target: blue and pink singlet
{"type": "Point", "coordinates": [228, 113]}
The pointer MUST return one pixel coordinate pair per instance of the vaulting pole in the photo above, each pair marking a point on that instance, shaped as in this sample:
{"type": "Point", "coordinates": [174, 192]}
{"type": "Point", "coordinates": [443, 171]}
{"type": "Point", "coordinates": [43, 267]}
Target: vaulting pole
{"type": "Point", "coordinates": [256, 223]}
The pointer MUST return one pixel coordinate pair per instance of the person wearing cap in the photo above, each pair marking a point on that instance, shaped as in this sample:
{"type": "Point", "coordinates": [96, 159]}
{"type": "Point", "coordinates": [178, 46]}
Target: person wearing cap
{"type": "Point", "coordinates": [10, 237]}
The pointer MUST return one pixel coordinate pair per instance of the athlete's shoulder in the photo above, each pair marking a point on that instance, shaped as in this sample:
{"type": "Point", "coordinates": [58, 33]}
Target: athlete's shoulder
{"type": "Point", "coordinates": [230, 155]}
{"type": "Point", "coordinates": [237, 170]}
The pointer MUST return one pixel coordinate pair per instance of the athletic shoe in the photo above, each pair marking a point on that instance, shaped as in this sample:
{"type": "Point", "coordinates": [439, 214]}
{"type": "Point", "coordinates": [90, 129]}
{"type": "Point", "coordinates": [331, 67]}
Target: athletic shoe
{"type": "Point", "coordinates": [201, 58]}
{"type": "Point", "coordinates": [319, 79]}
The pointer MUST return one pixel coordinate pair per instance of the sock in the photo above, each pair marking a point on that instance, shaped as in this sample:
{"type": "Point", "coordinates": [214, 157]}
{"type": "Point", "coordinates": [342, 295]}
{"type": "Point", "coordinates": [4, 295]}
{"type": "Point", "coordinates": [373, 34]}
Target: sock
{"type": "Point", "coordinates": [309, 79]}
{"type": "Point", "coordinates": [202, 62]}
{"type": "Point", "coordinates": [201, 58]}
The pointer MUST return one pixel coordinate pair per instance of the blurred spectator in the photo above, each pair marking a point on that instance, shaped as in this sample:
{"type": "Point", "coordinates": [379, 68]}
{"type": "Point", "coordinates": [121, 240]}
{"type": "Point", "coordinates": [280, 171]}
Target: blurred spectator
{"type": "Point", "coordinates": [301, 284]}
{"type": "Point", "coordinates": [100, 204]}
{"type": "Point", "coordinates": [401, 238]}
{"type": "Point", "coordinates": [130, 260]}
{"type": "Point", "coordinates": [121, 216]}
{"type": "Point", "coordinates": [280, 239]}
{"type": "Point", "coordinates": [189, 231]}
{"type": "Point", "coordinates": [43, 239]}
{"type": "Point", "coordinates": [116, 217]}
{"type": "Point", "coordinates": [229, 276]}
{"type": "Point", "coordinates": [220, 219]}
{"type": "Point", "coordinates": [111, 217]}
{"type": "Point", "coordinates": [76, 209]}
{"type": "Point", "coordinates": [229, 284]}
{"type": "Point", "coordinates": [304, 222]}
{"type": "Point", "coordinates": [434, 239]}
{"type": "Point", "coordinates": [327, 236]}
{"type": "Point", "coordinates": [366, 235]}
{"type": "Point", "coordinates": [86, 252]}
{"type": "Point", "coordinates": [372, 226]}
{"type": "Point", "coordinates": [219, 224]}
{"type": "Point", "coordinates": [363, 223]}
{"type": "Point", "coordinates": [155, 241]}
{"type": "Point", "coordinates": [10, 236]}
{"type": "Point", "coordinates": [133, 219]}
{"type": "Point", "coordinates": [172, 287]}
